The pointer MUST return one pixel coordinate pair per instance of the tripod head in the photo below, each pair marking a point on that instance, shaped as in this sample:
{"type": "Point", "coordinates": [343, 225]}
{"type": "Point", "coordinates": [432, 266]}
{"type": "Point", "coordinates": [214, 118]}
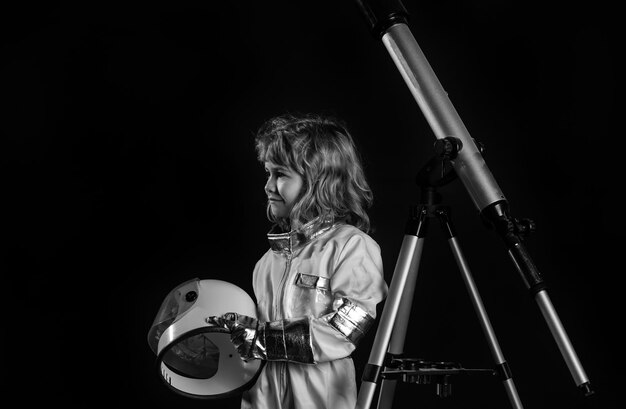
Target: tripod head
{"type": "Point", "coordinates": [438, 171]}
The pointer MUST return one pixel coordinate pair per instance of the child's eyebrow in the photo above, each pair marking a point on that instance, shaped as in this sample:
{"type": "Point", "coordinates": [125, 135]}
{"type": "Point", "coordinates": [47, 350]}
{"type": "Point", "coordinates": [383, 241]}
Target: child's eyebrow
{"type": "Point", "coordinates": [278, 168]}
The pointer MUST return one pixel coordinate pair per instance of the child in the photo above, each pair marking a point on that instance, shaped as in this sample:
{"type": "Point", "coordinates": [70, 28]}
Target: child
{"type": "Point", "coordinates": [318, 285]}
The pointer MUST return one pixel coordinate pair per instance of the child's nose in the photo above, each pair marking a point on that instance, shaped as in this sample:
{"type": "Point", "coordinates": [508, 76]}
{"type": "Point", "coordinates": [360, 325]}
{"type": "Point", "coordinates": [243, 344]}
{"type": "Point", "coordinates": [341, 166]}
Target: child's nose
{"type": "Point", "coordinates": [270, 185]}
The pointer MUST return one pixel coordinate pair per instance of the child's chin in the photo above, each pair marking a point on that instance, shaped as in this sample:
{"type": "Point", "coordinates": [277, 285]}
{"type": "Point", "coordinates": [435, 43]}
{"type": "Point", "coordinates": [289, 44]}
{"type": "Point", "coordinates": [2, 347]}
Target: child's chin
{"type": "Point", "coordinates": [279, 216]}
{"type": "Point", "coordinates": [277, 212]}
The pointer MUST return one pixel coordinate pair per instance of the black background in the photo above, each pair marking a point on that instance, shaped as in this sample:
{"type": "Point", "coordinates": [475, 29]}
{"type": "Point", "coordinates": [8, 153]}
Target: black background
{"type": "Point", "coordinates": [129, 168]}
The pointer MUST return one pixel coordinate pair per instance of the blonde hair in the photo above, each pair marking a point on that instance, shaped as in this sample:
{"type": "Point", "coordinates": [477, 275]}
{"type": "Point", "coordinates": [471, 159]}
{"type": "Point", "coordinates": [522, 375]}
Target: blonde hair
{"type": "Point", "coordinates": [322, 151]}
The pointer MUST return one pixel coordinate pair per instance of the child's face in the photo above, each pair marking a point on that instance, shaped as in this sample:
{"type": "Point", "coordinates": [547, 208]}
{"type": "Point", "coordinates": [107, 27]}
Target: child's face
{"type": "Point", "coordinates": [282, 188]}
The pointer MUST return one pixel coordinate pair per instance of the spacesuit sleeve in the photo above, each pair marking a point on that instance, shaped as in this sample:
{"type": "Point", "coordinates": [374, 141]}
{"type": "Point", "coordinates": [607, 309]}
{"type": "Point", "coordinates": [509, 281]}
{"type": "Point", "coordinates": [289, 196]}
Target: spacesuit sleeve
{"type": "Point", "coordinates": [357, 285]}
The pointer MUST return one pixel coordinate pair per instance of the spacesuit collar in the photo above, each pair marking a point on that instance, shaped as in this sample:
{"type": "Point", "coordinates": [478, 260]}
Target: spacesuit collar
{"type": "Point", "coordinates": [287, 242]}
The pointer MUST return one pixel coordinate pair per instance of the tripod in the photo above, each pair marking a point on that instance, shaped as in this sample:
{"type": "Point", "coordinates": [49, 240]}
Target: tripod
{"type": "Point", "coordinates": [405, 276]}
{"type": "Point", "coordinates": [387, 21]}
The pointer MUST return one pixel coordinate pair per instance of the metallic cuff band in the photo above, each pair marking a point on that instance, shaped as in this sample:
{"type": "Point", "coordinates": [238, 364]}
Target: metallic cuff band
{"type": "Point", "coordinates": [287, 340]}
{"type": "Point", "coordinates": [352, 321]}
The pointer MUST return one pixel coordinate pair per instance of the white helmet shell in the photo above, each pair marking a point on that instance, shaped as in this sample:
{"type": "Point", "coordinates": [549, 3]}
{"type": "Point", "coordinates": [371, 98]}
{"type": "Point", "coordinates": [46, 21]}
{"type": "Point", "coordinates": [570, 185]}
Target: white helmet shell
{"type": "Point", "coordinates": [194, 357]}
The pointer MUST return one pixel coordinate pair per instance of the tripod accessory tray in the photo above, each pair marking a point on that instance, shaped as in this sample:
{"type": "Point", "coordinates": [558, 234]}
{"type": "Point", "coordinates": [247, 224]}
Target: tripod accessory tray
{"type": "Point", "coordinates": [422, 372]}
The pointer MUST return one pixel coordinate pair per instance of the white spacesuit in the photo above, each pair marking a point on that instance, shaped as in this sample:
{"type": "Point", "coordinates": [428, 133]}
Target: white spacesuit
{"type": "Point", "coordinates": [317, 290]}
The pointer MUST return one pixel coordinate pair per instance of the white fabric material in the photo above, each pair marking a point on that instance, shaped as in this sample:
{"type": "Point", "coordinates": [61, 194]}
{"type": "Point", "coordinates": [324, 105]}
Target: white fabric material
{"type": "Point", "coordinates": [349, 265]}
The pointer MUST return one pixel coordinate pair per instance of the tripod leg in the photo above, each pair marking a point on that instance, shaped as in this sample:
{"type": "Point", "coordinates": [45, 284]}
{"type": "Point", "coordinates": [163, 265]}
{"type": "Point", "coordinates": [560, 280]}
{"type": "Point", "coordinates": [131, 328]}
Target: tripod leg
{"type": "Point", "coordinates": [501, 364]}
{"type": "Point", "coordinates": [408, 258]}
{"type": "Point", "coordinates": [398, 336]}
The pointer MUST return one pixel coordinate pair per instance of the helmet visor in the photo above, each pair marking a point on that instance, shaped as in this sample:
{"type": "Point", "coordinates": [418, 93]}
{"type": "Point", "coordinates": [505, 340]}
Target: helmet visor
{"type": "Point", "coordinates": [174, 306]}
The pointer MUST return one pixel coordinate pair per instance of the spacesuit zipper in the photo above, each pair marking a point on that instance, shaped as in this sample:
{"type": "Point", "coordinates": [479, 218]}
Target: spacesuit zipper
{"type": "Point", "coordinates": [282, 287]}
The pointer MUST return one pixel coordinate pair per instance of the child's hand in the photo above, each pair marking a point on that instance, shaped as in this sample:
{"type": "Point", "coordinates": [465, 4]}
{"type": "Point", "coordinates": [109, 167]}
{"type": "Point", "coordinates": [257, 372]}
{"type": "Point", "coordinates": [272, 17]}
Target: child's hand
{"type": "Point", "coordinates": [243, 332]}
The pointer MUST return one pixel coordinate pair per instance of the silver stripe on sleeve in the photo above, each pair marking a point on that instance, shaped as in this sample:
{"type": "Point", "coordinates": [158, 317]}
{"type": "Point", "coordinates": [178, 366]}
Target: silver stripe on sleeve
{"type": "Point", "coordinates": [352, 321]}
